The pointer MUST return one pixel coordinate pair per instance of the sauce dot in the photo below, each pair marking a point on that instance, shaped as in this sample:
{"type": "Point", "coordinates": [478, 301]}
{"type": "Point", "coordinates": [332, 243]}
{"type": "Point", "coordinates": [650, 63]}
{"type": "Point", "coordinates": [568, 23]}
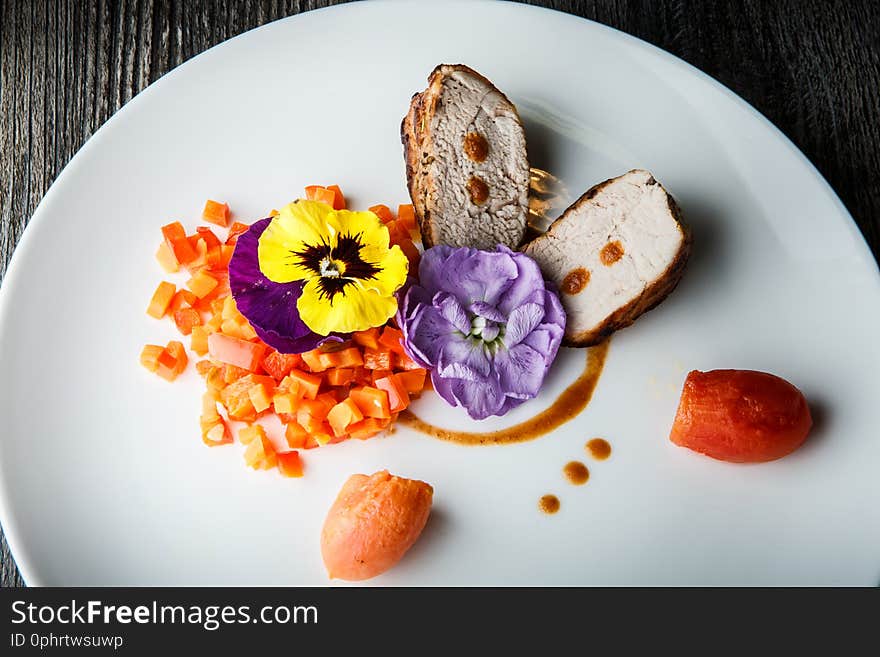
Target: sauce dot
{"type": "Point", "coordinates": [549, 504]}
{"type": "Point", "coordinates": [576, 473]}
{"type": "Point", "coordinates": [575, 281]}
{"type": "Point", "coordinates": [478, 190]}
{"type": "Point", "coordinates": [611, 253]}
{"type": "Point", "coordinates": [476, 147]}
{"type": "Point", "coordinates": [598, 448]}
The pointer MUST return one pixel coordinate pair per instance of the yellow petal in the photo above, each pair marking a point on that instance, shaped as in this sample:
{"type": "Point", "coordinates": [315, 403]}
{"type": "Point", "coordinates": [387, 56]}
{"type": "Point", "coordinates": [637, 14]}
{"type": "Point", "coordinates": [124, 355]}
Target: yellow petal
{"type": "Point", "coordinates": [356, 309]}
{"type": "Point", "coordinates": [297, 226]}
{"type": "Point", "coordinates": [394, 267]}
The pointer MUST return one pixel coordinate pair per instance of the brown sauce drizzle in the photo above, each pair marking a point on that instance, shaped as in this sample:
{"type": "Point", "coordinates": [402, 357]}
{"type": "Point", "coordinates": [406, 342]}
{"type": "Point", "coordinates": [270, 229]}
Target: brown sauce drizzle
{"type": "Point", "coordinates": [478, 190]}
{"type": "Point", "coordinates": [476, 147]}
{"type": "Point", "coordinates": [572, 401]}
{"type": "Point", "coordinates": [576, 473]}
{"type": "Point", "coordinates": [598, 448]}
{"type": "Point", "coordinates": [611, 253]}
{"type": "Point", "coordinates": [549, 504]}
{"type": "Point", "coordinates": [575, 281]}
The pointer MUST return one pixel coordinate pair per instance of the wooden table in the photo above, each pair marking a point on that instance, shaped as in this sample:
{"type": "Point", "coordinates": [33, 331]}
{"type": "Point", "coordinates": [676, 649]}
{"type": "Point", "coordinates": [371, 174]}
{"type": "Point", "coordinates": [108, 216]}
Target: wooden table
{"type": "Point", "coordinates": [812, 67]}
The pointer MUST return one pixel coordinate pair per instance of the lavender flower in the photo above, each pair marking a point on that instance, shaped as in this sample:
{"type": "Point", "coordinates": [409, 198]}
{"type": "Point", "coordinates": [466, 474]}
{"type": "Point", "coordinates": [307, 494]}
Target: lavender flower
{"type": "Point", "coordinates": [485, 324]}
{"type": "Point", "coordinates": [269, 307]}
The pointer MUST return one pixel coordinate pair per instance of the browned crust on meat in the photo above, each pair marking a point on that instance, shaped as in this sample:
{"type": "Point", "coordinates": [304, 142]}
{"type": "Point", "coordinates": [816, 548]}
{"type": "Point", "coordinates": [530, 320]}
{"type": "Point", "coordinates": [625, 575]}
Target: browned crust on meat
{"type": "Point", "coordinates": [651, 296]}
{"type": "Point", "coordinates": [422, 107]}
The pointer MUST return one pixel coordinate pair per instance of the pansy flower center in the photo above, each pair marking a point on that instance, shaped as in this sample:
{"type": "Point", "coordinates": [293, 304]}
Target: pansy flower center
{"type": "Point", "coordinates": [336, 266]}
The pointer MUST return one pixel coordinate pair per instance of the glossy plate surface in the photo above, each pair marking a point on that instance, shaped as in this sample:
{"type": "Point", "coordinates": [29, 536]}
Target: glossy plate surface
{"type": "Point", "coordinates": [103, 478]}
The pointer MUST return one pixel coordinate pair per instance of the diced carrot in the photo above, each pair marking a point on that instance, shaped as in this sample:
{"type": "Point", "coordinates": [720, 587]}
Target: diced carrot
{"type": "Point", "coordinates": [202, 283]}
{"type": "Point", "coordinates": [372, 402]}
{"type": "Point", "coordinates": [368, 427]}
{"type": "Point", "coordinates": [166, 258]}
{"type": "Point", "coordinates": [313, 361]}
{"type": "Point", "coordinates": [182, 299]}
{"type": "Point", "coordinates": [368, 338]}
{"type": "Point", "coordinates": [323, 195]}
{"type": "Point", "coordinates": [225, 255]}
{"type": "Point", "coordinates": [173, 232]}
{"type": "Point", "coordinates": [342, 415]}
{"type": "Point", "coordinates": [398, 397]}
{"type": "Point", "coordinates": [290, 464]}
{"type": "Point", "coordinates": [261, 397]}
{"type": "Point", "coordinates": [296, 436]}
{"type": "Point", "coordinates": [233, 351]}
{"type": "Point", "coordinates": [183, 251]}
{"type": "Point", "coordinates": [383, 212]}
{"type": "Point", "coordinates": [278, 365]}
{"type": "Point", "coordinates": [200, 248]}
{"type": "Point", "coordinates": [199, 340]}
{"type": "Point", "coordinates": [338, 199]}
{"type": "Point", "coordinates": [413, 381]}
{"type": "Point", "coordinates": [350, 357]}
{"type": "Point", "coordinates": [406, 214]}
{"type": "Point", "coordinates": [377, 359]}
{"type": "Point", "coordinates": [379, 374]}
{"type": "Point", "coordinates": [308, 384]}
{"type": "Point", "coordinates": [340, 376]}
{"type": "Point", "coordinates": [216, 213]}
{"type": "Point", "coordinates": [284, 402]}
{"type": "Point", "coordinates": [186, 319]}
{"type": "Point", "coordinates": [210, 237]}
{"type": "Point", "coordinates": [236, 229]}
{"type": "Point", "coordinates": [391, 339]}
{"type": "Point", "coordinates": [150, 356]}
{"type": "Point", "coordinates": [161, 300]}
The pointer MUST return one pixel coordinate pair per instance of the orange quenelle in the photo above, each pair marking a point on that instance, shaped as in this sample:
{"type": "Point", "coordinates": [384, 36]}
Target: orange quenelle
{"type": "Point", "coordinates": [372, 524]}
{"type": "Point", "coordinates": [740, 416]}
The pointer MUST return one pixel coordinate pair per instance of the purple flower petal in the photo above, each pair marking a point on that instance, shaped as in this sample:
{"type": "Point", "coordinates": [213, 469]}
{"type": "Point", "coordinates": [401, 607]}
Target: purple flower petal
{"type": "Point", "coordinates": [464, 358]}
{"type": "Point", "coordinates": [469, 274]}
{"type": "Point", "coordinates": [480, 398]}
{"type": "Point", "coordinates": [520, 371]}
{"type": "Point", "coordinates": [528, 287]}
{"type": "Point", "coordinates": [270, 307]}
{"type": "Point", "coordinates": [427, 333]}
{"type": "Point", "coordinates": [488, 311]}
{"type": "Point", "coordinates": [523, 320]}
{"type": "Point", "coordinates": [453, 313]}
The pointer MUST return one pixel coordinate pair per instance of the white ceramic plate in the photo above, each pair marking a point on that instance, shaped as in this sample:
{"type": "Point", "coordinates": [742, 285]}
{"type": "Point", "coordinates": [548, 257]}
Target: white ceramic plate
{"type": "Point", "coordinates": [105, 480]}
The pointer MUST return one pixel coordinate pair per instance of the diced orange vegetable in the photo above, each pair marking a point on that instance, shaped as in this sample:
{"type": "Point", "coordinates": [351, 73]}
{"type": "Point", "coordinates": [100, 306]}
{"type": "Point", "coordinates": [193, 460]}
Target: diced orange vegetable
{"type": "Point", "coordinates": [216, 213]}
{"type": "Point", "coordinates": [178, 352]}
{"type": "Point", "coordinates": [202, 283]}
{"type": "Point", "coordinates": [236, 229]}
{"type": "Point", "coordinates": [284, 402]}
{"type": "Point", "coordinates": [313, 360]}
{"type": "Point", "coordinates": [249, 433]}
{"type": "Point", "coordinates": [398, 233]}
{"type": "Point", "coordinates": [233, 373]}
{"type": "Point", "coordinates": [402, 361]}
{"type": "Point", "coordinates": [173, 232]}
{"type": "Point", "coordinates": [261, 397]}
{"type": "Point", "coordinates": [236, 398]}
{"type": "Point", "coordinates": [350, 357]}
{"type": "Point", "coordinates": [368, 338]}
{"type": "Point", "coordinates": [340, 376]}
{"type": "Point", "coordinates": [182, 299]}
{"type": "Point", "coordinates": [278, 365]}
{"type": "Point", "coordinates": [296, 436]}
{"type": "Point", "coordinates": [406, 214]}
{"type": "Point", "coordinates": [166, 258]}
{"type": "Point", "coordinates": [150, 356]}
{"type": "Point", "coordinates": [411, 252]}
{"type": "Point", "coordinates": [383, 212]}
{"type": "Point", "coordinates": [413, 381]}
{"type": "Point", "coordinates": [372, 402]}
{"type": "Point", "coordinates": [342, 415]}
{"type": "Point", "coordinates": [339, 199]}
{"type": "Point", "coordinates": [161, 300]}
{"type": "Point", "coordinates": [391, 339]}
{"type": "Point", "coordinates": [259, 453]}
{"type": "Point", "coordinates": [186, 319]}
{"type": "Point", "coordinates": [233, 351]}
{"type": "Point", "coordinates": [368, 427]}
{"type": "Point", "coordinates": [172, 361]}
{"type": "Point", "coordinates": [377, 359]}
{"type": "Point", "coordinates": [323, 195]}
{"type": "Point", "coordinates": [199, 340]}
{"type": "Point", "coordinates": [290, 464]}
{"type": "Point", "coordinates": [204, 367]}
{"type": "Point", "coordinates": [307, 384]}
{"type": "Point", "coordinates": [398, 397]}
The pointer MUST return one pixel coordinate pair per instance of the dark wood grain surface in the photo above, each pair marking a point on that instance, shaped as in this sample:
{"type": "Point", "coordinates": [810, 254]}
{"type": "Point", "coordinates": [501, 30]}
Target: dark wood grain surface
{"type": "Point", "coordinates": [811, 67]}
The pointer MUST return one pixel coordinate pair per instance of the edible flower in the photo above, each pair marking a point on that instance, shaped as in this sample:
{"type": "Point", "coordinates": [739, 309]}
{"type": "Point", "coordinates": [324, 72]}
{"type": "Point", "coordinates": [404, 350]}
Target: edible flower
{"type": "Point", "coordinates": [486, 325]}
{"type": "Point", "coordinates": [349, 271]}
{"type": "Point", "coordinates": [269, 307]}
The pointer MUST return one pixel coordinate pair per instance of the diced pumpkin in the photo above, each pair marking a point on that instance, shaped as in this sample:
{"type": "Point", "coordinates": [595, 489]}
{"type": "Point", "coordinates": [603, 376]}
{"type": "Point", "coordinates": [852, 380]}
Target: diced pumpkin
{"type": "Point", "coordinates": [372, 402]}
{"type": "Point", "coordinates": [313, 360]}
{"type": "Point", "coordinates": [202, 283]}
{"type": "Point", "coordinates": [338, 199]}
{"type": "Point", "coordinates": [290, 464]}
{"type": "Point", "coordinates": [391, 339]}
{"type": "Point", "coordinates": [166, 258]}
{"type": "Point", "coordinates": [173, 231]}
{"type": "Point", "coordinates": [413, 381]}
{"type": "Point", "coordinates": [161, 300]}
{"type": "Point", "coordinates": [216, 213]}
{"type": "Point", "coordinates": [261, 397]}
{"type": "Point", "coordinates": [182, 299]}
{"type": "Point", "coordinates": [285, 402]}
{"type": "Point", "coordinates": [340, 376]}
{"type": "Point", "coordinates": [377, 359]}
{"type": "Point", "coordinates": [150, 356]}
{"type": "Point", "coordinates": [296, 436]}
{"type": "Point", "coordinates": [199, 340]}
{"type": "Point", "coordinates": [233, 351]}
{"type": "Point", "coordinates": [186, 319]}
{"type": "Point", "coordinates": [368, 427]}
{"type": "Point", "coordinates": [368, 338]}
{"type": "Point", "coordinates": [398, 397]}
{"type": "Point", "coordinates": [259, 453]}
{"type": "Point", "coordinates": [406, 214]}
{"type": "Point", "coordinates": [383, 212]}
{"type": "Point", "coordinates": [308, 384]}
{"type": "Point", "coordinates": [250, 433]}
{"type": "Point", "coordinates": [278, 365]}
{"type": "Point", "coordinates": [342, 415]}
{"type": "Point", "coordinates": [236, 229]}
